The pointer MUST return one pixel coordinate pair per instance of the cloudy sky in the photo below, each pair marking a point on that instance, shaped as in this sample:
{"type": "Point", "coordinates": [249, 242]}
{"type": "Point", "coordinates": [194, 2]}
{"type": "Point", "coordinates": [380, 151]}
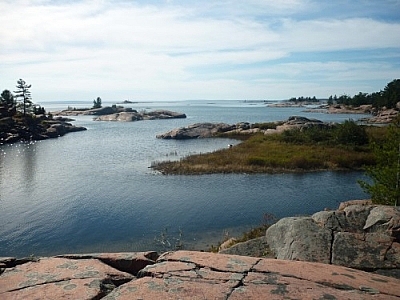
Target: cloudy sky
{"type": "Point", "coordinates": [187, 49]}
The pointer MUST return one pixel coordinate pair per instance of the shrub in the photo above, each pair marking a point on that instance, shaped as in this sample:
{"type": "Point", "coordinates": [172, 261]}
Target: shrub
{"type": "Point", "coordinates": [349, 133]}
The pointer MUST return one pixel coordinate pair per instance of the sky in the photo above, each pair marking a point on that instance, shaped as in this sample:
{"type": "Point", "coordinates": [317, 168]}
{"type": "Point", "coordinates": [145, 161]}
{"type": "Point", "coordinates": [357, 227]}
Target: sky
{"type": "Point", "coordinates": [77, 50]}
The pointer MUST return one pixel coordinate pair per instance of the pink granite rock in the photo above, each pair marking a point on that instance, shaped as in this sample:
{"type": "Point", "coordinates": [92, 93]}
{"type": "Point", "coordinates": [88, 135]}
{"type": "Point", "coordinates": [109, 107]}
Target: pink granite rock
{"type": "Point", "coordinates": [192, 275]}
{"type": "Point", "coordinates": [81, 279]}
{"type": "Point", "coordinates": [131, 262]}
{"type": "Point", "coordinates": [200, 275]}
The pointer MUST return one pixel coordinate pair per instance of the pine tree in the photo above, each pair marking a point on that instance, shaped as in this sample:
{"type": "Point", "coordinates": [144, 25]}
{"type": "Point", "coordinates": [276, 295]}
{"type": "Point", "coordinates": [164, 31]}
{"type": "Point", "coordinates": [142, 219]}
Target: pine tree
{"type": "Point", "coordinates": [97, 103]}
{"type": "Point", "coordinates": [24, 94]}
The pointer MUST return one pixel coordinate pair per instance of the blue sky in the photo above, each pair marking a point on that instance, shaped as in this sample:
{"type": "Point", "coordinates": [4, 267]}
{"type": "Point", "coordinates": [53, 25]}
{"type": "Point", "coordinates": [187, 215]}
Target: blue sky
{"type": "Point", "coordinates": [176, 50]}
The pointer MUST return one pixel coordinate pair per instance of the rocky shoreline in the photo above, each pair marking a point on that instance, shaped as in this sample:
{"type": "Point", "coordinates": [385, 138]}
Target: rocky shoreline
{"type": "Point", "coordinates": [41, 128]}
{"type": "Point", "coordinates": [206, 130]}
{"type": "Point", "coordinates": [121, 114]}
{"type": "Point", "coordinates": [363, 237]}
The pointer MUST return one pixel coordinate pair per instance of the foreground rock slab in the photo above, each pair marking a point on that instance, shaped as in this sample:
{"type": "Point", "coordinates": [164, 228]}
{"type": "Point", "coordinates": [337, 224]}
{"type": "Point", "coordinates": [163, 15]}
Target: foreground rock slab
{"type": "Point", "coordinates": [187, 275]}
{"type": "Point", "coordinates": [200, 275]}
{"type": "Point", "coordinates": [56, 278]}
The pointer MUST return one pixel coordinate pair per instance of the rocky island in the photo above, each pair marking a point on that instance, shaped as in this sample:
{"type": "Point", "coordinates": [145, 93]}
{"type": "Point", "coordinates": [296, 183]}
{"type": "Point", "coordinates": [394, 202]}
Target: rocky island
{"type": "Point", "coordinates": [120, 113]}
{"type": "Point", "coordinates": [33, 129]}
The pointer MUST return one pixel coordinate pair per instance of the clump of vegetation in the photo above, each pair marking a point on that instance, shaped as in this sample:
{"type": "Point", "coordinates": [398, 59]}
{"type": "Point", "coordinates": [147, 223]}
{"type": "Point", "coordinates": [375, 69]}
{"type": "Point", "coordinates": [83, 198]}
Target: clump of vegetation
{"type": "Point", "coordinates": [385, 174]}
{"type": "Point", "coordinates": [97, 103]}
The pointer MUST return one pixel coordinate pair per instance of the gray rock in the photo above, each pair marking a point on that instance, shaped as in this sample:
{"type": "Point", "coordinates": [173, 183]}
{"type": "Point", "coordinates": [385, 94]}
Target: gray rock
{"type": "Point", "coordinates": [357, 235]}
{"type": "Point", "coordinates": [198, 130]}
{"type": "Point", "coordinates": [333, 220]}
{"type": "Point", "coordinates": [364, 251]}
{"type": "Point", "coordinates": [300, 238]}
{"type": "Point", "coordinates": [131, 116]}
{"type": "Point", "coordinates": [384, 219]}
{"type": "Point", "coordinates": [121, 117]}
{"type": "Point", "coordinates": [356, 216]}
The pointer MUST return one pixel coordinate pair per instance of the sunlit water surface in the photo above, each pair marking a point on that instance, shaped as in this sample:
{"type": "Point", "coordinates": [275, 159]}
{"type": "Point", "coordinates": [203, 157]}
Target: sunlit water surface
{"type": "Point", "coordinates": [93, 191]}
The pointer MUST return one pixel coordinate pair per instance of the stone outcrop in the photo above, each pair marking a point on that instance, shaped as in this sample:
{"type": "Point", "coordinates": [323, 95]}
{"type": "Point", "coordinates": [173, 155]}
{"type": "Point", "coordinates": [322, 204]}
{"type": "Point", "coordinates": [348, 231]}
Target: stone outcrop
{"type": "Point", "coordinates": [40, 128]}
{"type": "Point", "coordinates": [383, 117]}
{"type": "Point", "coordinates": [198, 130]}
{"type": "Point", "coordinates": [137, 116]}
{"type": "Point", "coordinates": [107, 110]}
{"type": "Point", "coordinates": [298, 122]}
{"type": "Point", "coordinates": [206, 130]}
{"type": "Point", "coordinates": [120, 113]}
{"type": "Point", "coordinates": [186, 275]}
{"type": "Point", "coordinates": [361, 236]}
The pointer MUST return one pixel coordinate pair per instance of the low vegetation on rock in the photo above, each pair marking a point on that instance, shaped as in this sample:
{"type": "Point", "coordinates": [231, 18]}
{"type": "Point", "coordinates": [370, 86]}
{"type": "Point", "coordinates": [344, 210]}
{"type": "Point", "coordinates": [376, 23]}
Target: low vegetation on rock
{"type": "Point", "coordinates": [340, 147]}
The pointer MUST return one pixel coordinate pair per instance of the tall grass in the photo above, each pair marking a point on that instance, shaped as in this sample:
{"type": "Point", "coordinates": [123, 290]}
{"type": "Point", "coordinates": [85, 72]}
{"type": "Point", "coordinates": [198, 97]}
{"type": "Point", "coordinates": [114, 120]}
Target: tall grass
{"type": "Point", "coordinates": [278, 153]}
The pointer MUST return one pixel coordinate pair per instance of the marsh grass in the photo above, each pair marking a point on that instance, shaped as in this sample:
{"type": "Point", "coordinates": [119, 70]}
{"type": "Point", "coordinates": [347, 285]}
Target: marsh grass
{"type": "Point", "coordinates": [271, 154]}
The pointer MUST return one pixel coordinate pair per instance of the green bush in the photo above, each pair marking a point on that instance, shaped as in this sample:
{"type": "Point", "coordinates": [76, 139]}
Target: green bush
{"type": "Point", "coordinates": [349, 133]}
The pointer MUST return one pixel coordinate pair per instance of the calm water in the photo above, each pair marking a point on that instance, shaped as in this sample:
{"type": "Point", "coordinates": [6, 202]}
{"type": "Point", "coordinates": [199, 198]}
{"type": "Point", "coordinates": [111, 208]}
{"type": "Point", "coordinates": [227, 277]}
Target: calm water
{"type": "Point", "coordinates": [93, 191]}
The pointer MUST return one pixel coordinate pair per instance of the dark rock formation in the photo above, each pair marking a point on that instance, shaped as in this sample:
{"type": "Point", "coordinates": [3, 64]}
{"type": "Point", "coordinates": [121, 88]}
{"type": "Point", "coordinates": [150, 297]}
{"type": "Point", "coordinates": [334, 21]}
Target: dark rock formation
{"type": "Point", "coordinates": [13, 129]}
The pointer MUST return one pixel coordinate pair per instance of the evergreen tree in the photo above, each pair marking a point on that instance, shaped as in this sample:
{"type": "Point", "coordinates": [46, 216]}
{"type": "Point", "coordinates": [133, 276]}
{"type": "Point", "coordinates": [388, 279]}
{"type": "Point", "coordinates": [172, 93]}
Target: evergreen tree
{"type": "Point", "coordinates": [385, 175]}
{"type": "Point", "coordinates": [7, 101]}
{"type": "Point", "coordinates": [97, 103]}
{"type": "Point", "coordinates": [24, 94]}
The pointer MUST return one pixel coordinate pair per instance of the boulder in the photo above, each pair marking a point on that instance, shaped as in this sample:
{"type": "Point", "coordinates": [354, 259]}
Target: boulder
{"type": "Point", "coordinates": [384, 219]}
{"type": "Point", "coordinates": [300, 238]}
{"type": "Point", "coordinates": [357, 235]}
{"type": "Point", "coordinates": [365, 251]}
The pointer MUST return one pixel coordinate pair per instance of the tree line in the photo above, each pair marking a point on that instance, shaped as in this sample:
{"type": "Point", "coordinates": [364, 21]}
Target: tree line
{"type": "Point", "coordinates": [388, 97]}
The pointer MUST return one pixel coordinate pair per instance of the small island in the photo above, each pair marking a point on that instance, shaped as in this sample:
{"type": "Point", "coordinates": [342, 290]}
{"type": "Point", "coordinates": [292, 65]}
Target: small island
{"type": "Point", "coordinates": [121, 114]}
{"type": "Point", "coordinates": [21, 120]}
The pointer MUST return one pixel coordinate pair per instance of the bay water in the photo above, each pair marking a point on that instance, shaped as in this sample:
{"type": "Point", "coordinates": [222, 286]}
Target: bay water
{"type": "Point", "coordinates": [94, 191]}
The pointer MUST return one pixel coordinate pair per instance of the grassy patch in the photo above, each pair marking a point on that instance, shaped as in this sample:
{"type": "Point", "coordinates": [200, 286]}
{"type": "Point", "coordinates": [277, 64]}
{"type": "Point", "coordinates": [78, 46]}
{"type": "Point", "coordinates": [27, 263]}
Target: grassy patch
{"type": "Point", "coordinates": [341, 147]}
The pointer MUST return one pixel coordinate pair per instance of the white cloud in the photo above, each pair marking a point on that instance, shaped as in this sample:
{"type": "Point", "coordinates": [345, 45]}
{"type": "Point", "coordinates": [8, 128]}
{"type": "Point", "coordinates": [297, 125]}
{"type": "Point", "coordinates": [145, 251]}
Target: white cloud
{"type": "Point", "coordinates": [180, 50]}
